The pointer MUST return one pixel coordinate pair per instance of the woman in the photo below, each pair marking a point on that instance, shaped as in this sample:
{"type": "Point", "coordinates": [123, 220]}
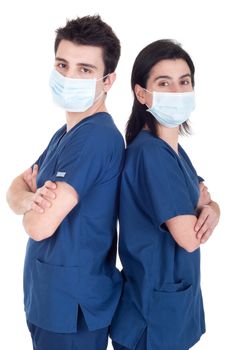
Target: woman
{"type": "Point", "coordinates": [166, 211]}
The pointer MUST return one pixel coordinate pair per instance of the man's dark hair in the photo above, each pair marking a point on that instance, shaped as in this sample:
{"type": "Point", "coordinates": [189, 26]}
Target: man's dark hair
{"type": "Point", "coordinates": [92, 31]}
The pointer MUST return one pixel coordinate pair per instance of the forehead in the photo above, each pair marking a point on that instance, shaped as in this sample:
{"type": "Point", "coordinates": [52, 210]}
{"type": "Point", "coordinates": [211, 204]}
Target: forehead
{"type": "Point", "coordinates": [75, 53]}
{"type": "Point", "coordinates": [170, 67]}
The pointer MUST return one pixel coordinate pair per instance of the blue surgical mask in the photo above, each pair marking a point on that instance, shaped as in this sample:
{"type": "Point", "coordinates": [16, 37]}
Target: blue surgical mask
{"type": "Point", "coordinates": [172, 108]}
{"type": "Point", "coordinates": [73, 95]}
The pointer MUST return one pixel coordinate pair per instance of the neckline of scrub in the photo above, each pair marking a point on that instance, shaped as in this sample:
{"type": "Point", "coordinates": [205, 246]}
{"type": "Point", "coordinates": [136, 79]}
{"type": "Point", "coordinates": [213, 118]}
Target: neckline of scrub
{"type": "Point", "coordinates": [95, 115]}
{"type": "Point", "coordinates": [167, 144]}
{"type": "Point", "coordinates": [63, 130]}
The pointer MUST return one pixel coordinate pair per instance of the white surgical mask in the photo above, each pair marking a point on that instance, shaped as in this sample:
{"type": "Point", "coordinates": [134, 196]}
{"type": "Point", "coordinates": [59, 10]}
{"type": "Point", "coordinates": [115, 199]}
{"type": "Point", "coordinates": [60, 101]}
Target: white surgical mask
{"type": "Point", "coordinates": [73, 95]}
{"type": "Point", "coordinates": [172, 108]}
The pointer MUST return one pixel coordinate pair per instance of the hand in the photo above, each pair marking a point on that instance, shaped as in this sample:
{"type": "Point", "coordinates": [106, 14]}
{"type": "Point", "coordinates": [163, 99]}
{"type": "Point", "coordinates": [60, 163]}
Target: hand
{"type": "Point", "coordinates": [30, 177]}
{"type": "Point", "coordinates": [206, 222]}
{"type": "Point", "coordinates": [43, 197]}
{"type": "Point", "coordinates": [205, 197]}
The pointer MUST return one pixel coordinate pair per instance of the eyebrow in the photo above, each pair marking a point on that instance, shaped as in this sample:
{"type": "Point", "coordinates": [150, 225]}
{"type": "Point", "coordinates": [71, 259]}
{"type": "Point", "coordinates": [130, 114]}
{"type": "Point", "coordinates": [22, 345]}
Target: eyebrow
{"type": "Point", "coordinates": [170, 78]}
{"type": "Point", "coordinates": [185, 76]}
{"type": "Point", "coordinates": [81, 64]}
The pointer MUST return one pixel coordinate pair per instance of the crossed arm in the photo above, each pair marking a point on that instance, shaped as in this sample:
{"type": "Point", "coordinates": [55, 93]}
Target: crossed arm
{"type": "Point", "coordinates": [43, 208]}
{"type": "Point", "coordinates": [190, 231]}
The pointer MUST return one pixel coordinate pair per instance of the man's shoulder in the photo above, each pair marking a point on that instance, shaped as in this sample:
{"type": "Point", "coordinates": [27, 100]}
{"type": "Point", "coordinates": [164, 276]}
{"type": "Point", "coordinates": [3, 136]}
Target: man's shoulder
{"type": "Point", "coordinates": [103, 129]}
{"type": "Point", "coordinates": [96, 135]}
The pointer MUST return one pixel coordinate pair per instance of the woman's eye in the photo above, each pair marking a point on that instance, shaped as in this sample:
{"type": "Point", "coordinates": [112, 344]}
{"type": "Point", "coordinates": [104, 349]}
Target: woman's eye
{"type": "Point", "coordinates": [185, 82]}
{"type": "Point", "coordinates": [163, 83]}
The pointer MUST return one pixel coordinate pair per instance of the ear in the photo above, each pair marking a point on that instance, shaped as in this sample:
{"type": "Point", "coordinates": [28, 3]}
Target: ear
{"type": "Point", "coordinates": [140, 93]}
{"type": "Point", "coordinates": [109, 81]}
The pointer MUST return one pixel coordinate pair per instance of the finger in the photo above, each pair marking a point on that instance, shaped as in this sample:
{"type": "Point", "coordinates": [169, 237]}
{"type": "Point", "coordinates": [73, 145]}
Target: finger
{"type": "Point", "coordinates": [206, 236]}
{"type": "Point", "coordinates": [47, 193]}
{"type": "Point", "coordinates": [214, 223]}
{"type": "Point", "coordinates": [35, 169]}
{"type": "Point", "coordinates": [36, 208]}
{"type": "Point", "coordinates": [34, 176]}
{"type": "Point", "coordinates": [50, 184]}
{"type": "Point", "coordinates": [201, 219]}
{"type": "Point", "coordinates": [202, 231]}
{"type": "Point", "coordinates": [43, 202]}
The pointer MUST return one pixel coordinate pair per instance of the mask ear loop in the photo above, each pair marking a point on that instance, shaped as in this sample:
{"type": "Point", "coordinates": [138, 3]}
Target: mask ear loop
{"type": "Point", "coordinates": [102, 78]}
{"type": "Point", "coordinates": [147, 110]}
{"type": "Point", "coordinates": [148, 91]}
{"type": "Point", "coordinates": [102, 92]}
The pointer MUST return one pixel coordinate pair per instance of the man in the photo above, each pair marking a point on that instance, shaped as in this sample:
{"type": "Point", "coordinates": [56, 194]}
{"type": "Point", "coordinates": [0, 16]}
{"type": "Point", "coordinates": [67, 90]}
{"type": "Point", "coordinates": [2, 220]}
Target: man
{"type": "Point", "coordinates": [69, 200]}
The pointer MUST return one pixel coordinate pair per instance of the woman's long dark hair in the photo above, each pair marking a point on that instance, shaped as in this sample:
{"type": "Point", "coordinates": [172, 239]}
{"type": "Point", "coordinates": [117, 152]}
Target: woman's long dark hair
{"type": "Point", "coordinates": [144, 62]}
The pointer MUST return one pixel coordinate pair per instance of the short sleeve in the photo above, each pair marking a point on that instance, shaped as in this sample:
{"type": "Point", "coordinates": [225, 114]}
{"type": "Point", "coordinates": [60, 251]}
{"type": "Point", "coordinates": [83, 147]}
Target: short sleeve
{"type": "Point", "coordinates": [41, 158]}
{"type": "Point", "coordinates": [165, 184]}
{"type": "Point", "coordinates": [200, 179]}
{"type": "Point", "coordinates": [84, 160]}
{"type": "Point", "coordinates": [55, 137]}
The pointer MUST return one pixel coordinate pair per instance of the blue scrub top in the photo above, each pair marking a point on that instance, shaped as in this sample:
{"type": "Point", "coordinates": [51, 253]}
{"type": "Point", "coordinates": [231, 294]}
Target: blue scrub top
{"type": "Point", "coordinates": [162, 280]}
{"type": "Point", "coordinates": [76, 266]}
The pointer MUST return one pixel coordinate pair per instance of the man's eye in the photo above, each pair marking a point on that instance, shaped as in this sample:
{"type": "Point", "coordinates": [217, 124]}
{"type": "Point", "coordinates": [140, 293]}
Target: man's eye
{"type": "Point", "coordinates": [61, 65]}
{"type": "Point", "coordinates": [85, 70]}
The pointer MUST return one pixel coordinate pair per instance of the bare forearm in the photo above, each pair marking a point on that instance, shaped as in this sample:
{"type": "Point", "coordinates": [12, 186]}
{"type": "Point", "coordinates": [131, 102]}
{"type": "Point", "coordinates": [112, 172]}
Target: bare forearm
{"type": "Point", "coordinates": [19, 196]}
{"type": "Point", "coordinates": [40, 226]}
{"type": "Point", "coordinates": [182, 229]}
{"type": "Point", "coordinates": [37, 226]}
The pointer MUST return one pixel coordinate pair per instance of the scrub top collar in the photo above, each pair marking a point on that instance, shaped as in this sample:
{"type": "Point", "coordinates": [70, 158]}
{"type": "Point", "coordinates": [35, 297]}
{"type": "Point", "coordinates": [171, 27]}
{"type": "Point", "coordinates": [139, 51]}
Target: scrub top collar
{"type": "Point", "coordinates": [167, 144]}
{"type": "Point", "coordinates": [83, 121]}
{"type": "Point", "coordinates": [63, 130]}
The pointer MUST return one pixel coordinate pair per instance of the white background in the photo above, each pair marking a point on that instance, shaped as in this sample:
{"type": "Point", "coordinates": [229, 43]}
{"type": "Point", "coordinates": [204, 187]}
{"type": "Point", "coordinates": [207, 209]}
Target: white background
{"type": "Point", "coordinates": [29, 118]}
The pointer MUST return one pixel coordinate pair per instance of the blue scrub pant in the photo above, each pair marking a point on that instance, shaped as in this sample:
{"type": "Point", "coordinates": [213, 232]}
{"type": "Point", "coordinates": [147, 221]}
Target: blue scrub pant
{"type": "Point", "coordinates": [142, 344]}
{"type": "Point", "coordinates": [82, 340]}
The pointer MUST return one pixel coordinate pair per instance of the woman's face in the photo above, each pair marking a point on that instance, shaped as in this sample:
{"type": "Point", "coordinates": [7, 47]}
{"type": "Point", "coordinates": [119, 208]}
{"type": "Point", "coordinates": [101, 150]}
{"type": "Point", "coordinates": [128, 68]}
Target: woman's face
{"type": "Point", "coordinates": [171, 75]}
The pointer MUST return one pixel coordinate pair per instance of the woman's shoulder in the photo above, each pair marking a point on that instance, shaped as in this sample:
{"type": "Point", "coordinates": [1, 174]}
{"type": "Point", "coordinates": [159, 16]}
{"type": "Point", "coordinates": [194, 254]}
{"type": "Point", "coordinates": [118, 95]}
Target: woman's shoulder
{"type": "Point", "coordinates": [151, 146]}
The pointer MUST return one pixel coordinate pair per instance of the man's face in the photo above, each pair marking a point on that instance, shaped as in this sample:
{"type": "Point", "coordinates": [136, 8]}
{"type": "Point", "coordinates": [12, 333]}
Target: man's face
{"type": "Point", "coordinates": [79, 61]}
